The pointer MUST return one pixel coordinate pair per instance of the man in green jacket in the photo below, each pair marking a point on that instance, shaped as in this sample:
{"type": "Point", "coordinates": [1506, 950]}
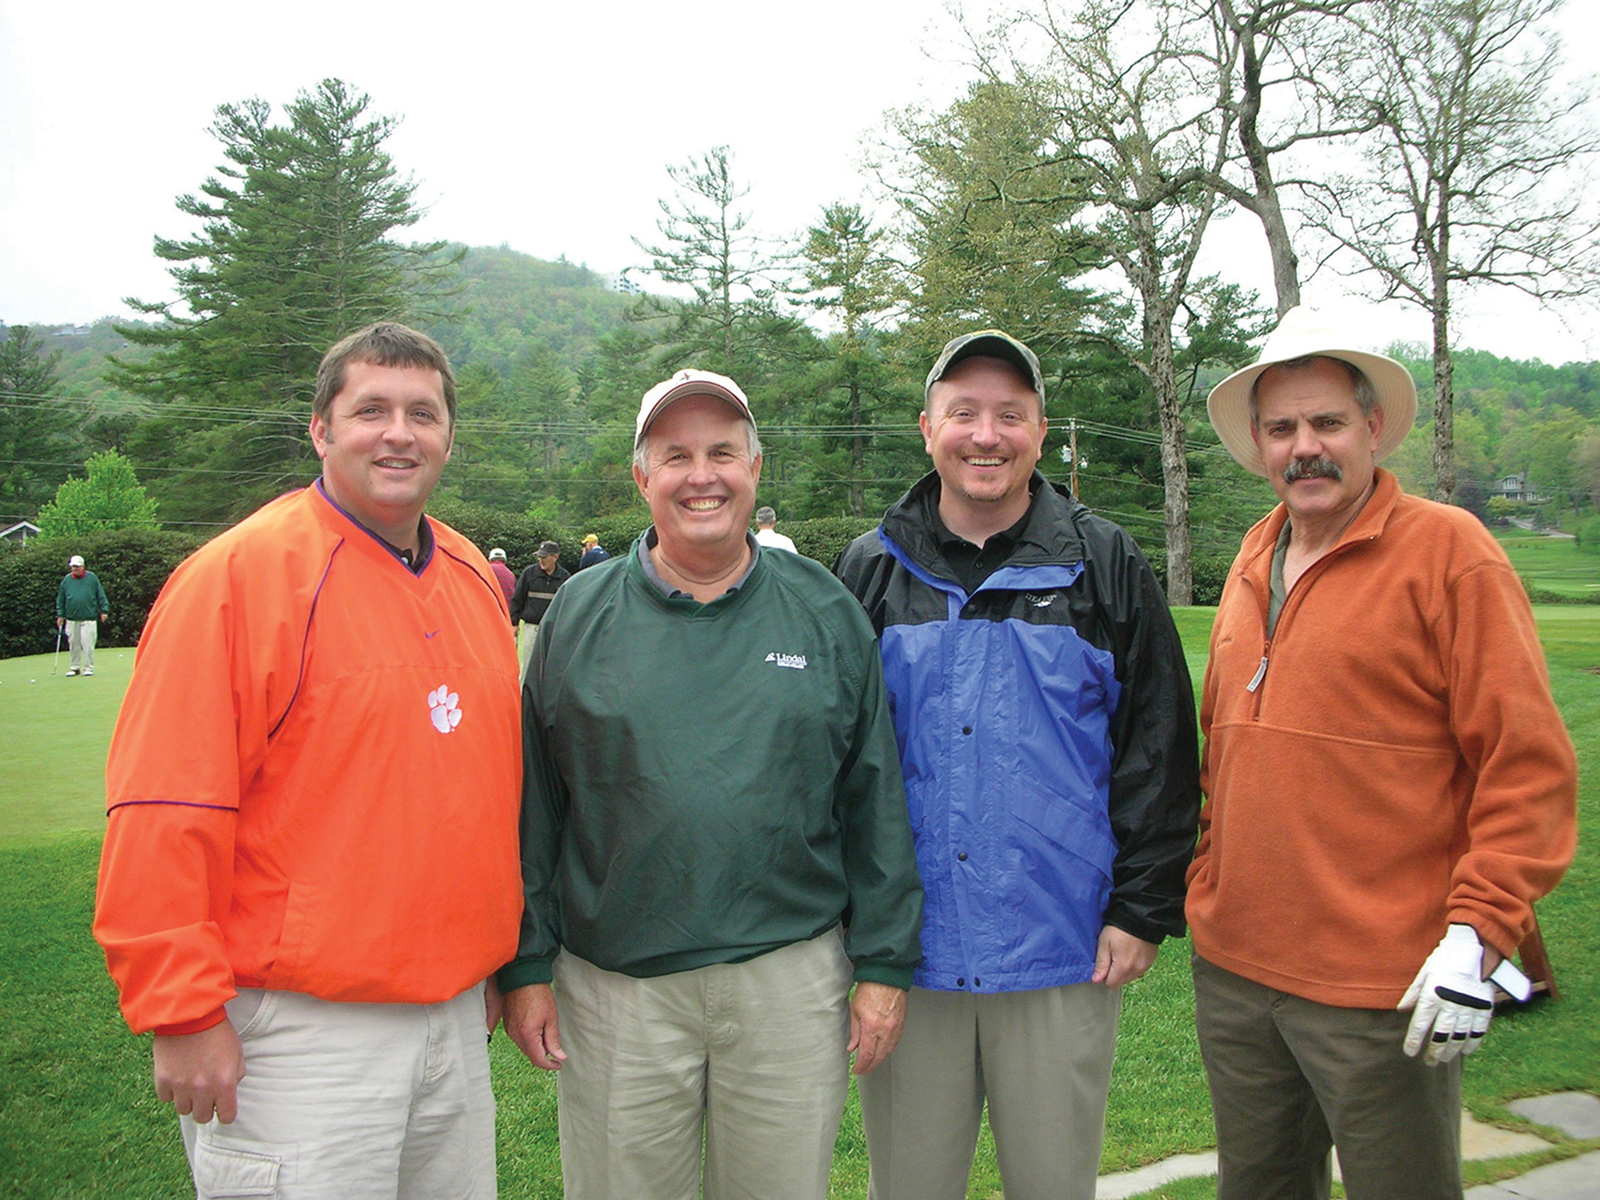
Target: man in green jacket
{"type": "Point", "coordinates": [715, 843]}
{"type": "Point", "coordinates": [80, 605]}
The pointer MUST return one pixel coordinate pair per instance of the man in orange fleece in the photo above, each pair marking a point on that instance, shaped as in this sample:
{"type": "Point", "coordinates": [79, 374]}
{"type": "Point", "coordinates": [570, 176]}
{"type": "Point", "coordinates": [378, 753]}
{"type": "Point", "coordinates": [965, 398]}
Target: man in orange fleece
{"type": "Point", "coordinates": [311, 863]}
{"type": "Point", "coordinates": [1388, 783]}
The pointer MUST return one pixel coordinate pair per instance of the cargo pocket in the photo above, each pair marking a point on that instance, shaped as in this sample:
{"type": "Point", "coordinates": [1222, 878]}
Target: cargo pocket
{"type": "Point", "coordinates": [223, 1171]}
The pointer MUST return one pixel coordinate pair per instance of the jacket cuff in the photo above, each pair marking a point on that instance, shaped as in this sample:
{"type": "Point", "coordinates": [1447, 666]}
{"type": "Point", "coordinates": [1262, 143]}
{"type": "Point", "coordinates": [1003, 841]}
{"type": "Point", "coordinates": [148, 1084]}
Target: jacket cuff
{"type": "Point", "coordinates": [523, 972]}
{"type": "Point", "coordinates": [1145, 931]}
{"type": "Point", "coordinates": [1491, 928]}
{"type": "Point", "coordinates": [881, 972]}
{"type": "Point", "coordinates": [199, 1025]}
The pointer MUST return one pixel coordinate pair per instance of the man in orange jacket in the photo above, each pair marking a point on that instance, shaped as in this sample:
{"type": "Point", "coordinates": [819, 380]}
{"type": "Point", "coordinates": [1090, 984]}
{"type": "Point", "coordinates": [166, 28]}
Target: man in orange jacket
{"type": "Point", "coordinates": [1388, 788]}
{"type": "Point", "coordinates": [311, 865]}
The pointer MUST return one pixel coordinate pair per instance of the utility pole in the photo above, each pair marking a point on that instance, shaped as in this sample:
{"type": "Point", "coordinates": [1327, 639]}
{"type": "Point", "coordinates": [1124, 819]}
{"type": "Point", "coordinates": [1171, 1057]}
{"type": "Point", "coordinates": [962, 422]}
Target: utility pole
{"type": "Point", "coordinates": [1072, 450]}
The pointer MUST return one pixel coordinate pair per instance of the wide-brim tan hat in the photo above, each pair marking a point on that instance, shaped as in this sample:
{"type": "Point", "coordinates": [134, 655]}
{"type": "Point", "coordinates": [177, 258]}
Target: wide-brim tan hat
{"type": "Point", "coordinates": [1301, 333]}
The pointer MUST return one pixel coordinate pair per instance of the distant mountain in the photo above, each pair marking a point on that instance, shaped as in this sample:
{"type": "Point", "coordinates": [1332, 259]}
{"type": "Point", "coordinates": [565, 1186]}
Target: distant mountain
{"type": "Point", "coordinates": [511, 299]}
{"type": "Point", "coordinates": [508, 300]}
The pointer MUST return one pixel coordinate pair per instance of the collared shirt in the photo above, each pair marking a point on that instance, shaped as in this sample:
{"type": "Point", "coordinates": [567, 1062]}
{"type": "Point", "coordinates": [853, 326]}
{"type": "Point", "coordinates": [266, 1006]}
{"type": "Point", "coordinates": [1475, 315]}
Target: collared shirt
{"type": "Point", "coordinates": [648, 565]}
{"type": "Point", "coordinates": [1276, 592]}
{"type": "Point", "coordinates": [973, 564]}
{"type": "Point", "coordinates": [414, 562]}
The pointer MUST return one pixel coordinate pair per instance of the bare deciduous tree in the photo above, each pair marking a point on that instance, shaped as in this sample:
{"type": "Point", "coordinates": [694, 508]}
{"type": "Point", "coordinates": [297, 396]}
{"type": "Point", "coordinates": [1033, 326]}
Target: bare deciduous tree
{"type": "Point", "coordinates": [1473, 175]}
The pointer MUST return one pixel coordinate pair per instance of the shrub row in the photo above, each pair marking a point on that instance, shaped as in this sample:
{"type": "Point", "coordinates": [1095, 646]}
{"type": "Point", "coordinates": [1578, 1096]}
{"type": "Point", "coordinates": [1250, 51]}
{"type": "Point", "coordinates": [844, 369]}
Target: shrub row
{"type": "Point", "coordinates": [1539, 595]}
{"type": "Point", "coordinates": [133, 564]}
{"type": "Point", "coordinates": [821, 538]}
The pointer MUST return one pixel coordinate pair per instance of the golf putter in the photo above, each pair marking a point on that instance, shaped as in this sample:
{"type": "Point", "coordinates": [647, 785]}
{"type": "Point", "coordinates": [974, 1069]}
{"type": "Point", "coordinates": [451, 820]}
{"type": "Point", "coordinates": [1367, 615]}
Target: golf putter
{"type": "Point", "coordinates": [57, 657]}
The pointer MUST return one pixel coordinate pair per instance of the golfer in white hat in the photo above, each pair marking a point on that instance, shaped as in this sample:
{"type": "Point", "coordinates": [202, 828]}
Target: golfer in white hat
{"type": "Point", "coordinates": [80, 607]}
{"type": "Point", "coordinates": [1388, 785]}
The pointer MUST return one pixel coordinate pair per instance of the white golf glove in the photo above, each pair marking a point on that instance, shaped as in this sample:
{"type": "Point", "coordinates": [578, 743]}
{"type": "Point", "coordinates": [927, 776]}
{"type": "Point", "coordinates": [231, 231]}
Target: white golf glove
{"type": "Point", "coordinates": [1453, 1004]}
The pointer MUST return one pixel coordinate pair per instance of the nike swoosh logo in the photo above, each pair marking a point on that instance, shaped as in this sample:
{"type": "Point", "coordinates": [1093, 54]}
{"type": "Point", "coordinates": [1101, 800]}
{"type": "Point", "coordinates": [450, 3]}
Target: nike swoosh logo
{"type": "Point", "coordinates": [430, 636]}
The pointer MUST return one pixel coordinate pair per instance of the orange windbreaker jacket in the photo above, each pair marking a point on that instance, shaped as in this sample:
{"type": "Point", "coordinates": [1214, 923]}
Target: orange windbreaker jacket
{"type": "Point", "coordinates": [313, 784]}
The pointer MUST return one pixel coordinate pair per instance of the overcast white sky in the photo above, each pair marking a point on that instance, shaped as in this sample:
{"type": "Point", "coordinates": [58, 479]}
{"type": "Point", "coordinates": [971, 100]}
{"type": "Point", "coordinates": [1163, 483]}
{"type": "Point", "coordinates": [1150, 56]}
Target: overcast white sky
{"type": "Point", "coordinates": [544, 126]}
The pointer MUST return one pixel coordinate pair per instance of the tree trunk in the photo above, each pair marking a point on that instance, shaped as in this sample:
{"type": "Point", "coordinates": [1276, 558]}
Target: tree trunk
{"type": "Point", "coordinates": [1444, 431]}
{"type": "Point", "coordinates": [1285, 263]}
{"type": "Point", "coordinates": [858, 450]}
{"type": "Point", "coordinates": [1174, 465]}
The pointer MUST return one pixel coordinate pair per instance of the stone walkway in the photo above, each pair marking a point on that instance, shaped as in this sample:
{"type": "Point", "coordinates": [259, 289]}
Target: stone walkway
{"type": "Point", "coordinates": [1577, 1114]}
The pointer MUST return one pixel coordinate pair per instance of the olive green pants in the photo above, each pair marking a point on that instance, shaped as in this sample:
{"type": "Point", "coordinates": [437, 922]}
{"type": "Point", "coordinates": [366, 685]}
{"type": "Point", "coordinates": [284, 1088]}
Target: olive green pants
{"type": "Point", "coordinates": [1291, 1078]}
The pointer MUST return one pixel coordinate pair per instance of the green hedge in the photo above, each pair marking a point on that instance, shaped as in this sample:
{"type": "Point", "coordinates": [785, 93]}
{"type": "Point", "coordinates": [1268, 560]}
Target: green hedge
{"type": "Point", "coordinates": [1539, 595]}
{"type": "Point", "coordinates": [1588, 534]}
{"type": "Point", "coordinates": [132, 564]}
{"type": "Point", "coordinates": [1207, 573]}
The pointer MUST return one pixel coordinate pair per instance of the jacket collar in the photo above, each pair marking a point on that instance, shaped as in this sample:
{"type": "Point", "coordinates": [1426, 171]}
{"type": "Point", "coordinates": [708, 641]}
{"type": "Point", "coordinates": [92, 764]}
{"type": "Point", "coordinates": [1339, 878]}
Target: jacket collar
{"type": "Point", "coordinates": [1370, 522]}
{"type": "Point", "coordinates": [1049, 536]}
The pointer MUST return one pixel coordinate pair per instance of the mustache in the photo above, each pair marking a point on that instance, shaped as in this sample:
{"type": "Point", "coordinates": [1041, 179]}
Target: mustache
{"type": "Point", "coordinates": [1312, 468]}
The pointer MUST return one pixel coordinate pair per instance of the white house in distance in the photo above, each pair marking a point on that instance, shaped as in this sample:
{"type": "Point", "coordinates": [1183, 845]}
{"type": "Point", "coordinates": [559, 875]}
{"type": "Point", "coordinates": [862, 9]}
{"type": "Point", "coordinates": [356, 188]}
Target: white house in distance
{"type": "Point", "coordinates": [19, 533]}
{"type": "Point", "coordinates": [1515, 487]}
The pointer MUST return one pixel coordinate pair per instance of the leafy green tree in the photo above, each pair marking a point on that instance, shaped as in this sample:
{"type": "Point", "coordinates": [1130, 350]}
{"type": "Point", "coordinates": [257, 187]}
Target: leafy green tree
{"type": "Point", "coordinates": [1586, 467]}
{"type": "Point", "coordinates": [488, 465]}
{"type": "Point", "coordinates": [294, 250]}
{"type": "Point", "coordinates": [109, 497]}
{"type": "Point", "coordinates": [987, 214]}
{"type": "Point", "coordinates": [1137, 138]}
{"type": "Point", "coordinates": [542, 391]}
{"type": "Point", "coordinates": [614, 378]}
{"type": "Point", "coordinates": [1543, 450]}
{"type": "Point", "coordinates": [35, 431]}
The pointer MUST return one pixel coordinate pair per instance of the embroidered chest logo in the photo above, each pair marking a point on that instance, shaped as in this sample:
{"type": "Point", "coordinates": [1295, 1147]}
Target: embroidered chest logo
{"type": "Point", "coordinates": [797, 661]}
{"type": "Point", "coordinates": [442, 709]}
{"type": "Point", "coordinates": [1040, 599]}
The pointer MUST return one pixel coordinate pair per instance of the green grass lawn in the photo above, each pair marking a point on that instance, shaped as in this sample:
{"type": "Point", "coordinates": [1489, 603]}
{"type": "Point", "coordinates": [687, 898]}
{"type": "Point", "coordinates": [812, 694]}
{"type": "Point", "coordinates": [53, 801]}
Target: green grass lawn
{"type": "Point", "coordinates": [78, 1118]}
{"type": "Point", "coordinates": [1552, 564]}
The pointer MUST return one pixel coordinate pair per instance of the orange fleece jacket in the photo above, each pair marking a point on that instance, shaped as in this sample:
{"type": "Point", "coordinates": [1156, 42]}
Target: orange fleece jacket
{"type": "Point", "coordinates": [313, 784]}
{"type": "Point", "coordinates": [1400, 765]}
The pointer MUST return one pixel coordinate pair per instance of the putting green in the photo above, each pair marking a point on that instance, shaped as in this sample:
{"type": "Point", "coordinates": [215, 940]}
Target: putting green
{"type": "Point", "coordinates": [57, 733]}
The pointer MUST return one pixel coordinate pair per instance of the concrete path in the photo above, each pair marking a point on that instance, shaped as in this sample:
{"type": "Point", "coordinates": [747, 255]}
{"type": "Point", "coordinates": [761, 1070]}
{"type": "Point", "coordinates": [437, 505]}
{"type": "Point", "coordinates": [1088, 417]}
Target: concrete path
{"type": "Point", "coordinates": [1577, 1114]}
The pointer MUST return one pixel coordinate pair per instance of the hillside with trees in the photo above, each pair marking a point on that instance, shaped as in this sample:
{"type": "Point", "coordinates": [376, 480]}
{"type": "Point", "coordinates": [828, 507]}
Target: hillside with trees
{"type": "Point", "coordinates": [1065, 195]}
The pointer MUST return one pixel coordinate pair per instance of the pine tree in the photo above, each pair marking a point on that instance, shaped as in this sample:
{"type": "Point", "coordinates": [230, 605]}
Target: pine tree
{"type": "Point", "coordinates": [35, 432]}
{"type": "Point", "coordinates": [294, 251]}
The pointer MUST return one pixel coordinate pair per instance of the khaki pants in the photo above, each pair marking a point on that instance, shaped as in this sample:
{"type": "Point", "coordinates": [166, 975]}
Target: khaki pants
{"type": "Point", "coordinates": [1041, 1059]}
{"type": "Point", "coordinates": [353, 1102]}
{"type": "Point", "coordinates": [747, 1059]}
{"type": "Point", "coordinates": [526, 638]}
{"type": "Point", "coordinates": [80, 642]}
{"type": "Point", "coordinates": [1291, 1078]}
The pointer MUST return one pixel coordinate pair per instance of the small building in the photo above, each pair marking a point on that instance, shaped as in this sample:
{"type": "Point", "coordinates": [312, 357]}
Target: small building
{"type": "Point", "coordinates": [1515, 487]}
{"type": "Point", "coordinates": [19, 533]}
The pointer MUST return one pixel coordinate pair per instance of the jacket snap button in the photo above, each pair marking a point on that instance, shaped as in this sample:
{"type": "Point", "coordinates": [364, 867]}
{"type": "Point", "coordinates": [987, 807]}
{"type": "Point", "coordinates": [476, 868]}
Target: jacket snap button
{"type": "Point", "coordinates": [966, 729]}
{"type": "Point", "coordinates": [961, 983]}
{"type": "Point", "coordinates": [962, 857]}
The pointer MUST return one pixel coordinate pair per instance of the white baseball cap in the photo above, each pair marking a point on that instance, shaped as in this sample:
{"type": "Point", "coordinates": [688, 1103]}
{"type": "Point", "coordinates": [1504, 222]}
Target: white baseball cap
{"type": "Point", "coordinates": [688, 382]}
{"type": "Point", "coordinates": [1304, 332]}
{"type": "Point", "coordinates": [75, 561]}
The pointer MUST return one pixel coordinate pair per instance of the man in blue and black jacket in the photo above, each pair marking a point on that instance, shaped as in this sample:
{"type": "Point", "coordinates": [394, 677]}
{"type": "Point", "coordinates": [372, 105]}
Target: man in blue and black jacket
{"type": "Point", "coordinates": [1045, 720]}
